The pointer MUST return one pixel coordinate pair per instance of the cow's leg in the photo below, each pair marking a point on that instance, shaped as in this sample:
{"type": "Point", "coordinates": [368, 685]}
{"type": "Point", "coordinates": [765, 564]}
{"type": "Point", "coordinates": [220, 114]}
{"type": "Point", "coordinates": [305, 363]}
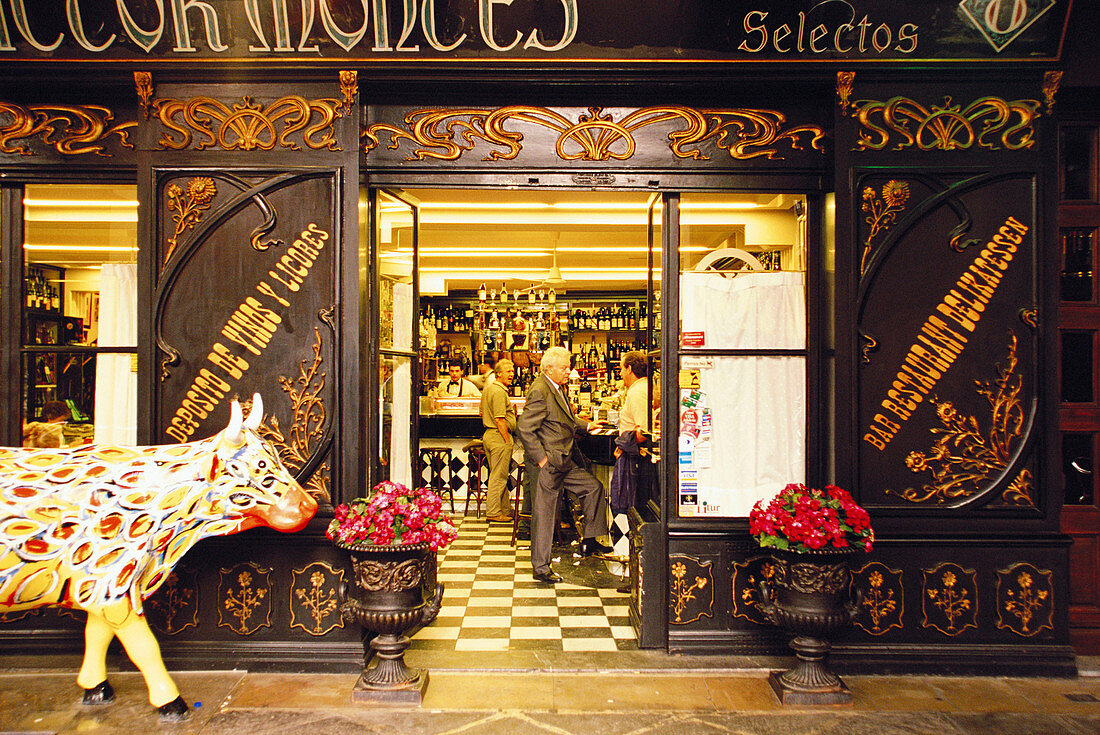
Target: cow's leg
{"type": "Point", "coordinates": [142, 648]}
{"type": "Point", "coordinates": [93, 671]}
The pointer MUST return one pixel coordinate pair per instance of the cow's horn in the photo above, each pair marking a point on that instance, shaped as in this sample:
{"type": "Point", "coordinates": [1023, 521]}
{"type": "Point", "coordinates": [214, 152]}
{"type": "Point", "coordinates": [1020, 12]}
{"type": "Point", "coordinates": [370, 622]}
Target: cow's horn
{"type": "Point", "coordinates": [256, 415]}
{"type": "Point", "coordinates": [233, 432]}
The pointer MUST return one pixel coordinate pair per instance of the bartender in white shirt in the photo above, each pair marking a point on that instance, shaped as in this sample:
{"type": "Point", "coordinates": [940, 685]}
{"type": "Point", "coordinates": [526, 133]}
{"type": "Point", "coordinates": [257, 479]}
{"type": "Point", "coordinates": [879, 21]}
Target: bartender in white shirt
{"type": "Point", "coordinates": [456, 385]}
{"type": "Point", "coordinates": [634, 414]}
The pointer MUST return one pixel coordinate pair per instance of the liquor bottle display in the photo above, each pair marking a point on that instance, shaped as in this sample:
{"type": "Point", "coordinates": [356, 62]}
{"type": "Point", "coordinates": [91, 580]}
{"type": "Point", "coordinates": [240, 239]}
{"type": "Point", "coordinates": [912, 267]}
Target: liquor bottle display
{"type": "Point", "coordinates": [38, 293]}
{"type": "Point", "coordinates": [491, 323]}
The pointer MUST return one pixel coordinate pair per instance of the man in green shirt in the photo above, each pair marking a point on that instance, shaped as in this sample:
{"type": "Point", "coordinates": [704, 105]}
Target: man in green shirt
{"type": "Point", "coordinates": [499, 418]}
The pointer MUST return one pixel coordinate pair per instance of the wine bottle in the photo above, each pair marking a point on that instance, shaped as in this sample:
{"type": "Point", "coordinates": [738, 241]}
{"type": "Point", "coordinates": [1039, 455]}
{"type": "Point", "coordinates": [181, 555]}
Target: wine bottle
{"type": "Point", "coordinates": [585, 394]}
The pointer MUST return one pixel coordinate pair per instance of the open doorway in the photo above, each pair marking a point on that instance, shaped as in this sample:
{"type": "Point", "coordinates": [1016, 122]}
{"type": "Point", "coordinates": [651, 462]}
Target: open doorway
{"type": "Point", "coordinates": [506, 274]}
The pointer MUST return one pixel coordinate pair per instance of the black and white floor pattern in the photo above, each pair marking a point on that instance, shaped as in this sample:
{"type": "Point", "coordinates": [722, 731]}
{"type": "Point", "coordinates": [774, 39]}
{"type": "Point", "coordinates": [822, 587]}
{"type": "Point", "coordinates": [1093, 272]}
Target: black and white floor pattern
{"type": "Point", "coordinates": [491, 603]}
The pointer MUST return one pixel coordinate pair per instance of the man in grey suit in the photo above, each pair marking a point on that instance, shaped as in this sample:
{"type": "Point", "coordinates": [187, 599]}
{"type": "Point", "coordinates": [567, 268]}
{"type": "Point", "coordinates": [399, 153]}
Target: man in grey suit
{"type": "Point", "coordinates": [547, 428]}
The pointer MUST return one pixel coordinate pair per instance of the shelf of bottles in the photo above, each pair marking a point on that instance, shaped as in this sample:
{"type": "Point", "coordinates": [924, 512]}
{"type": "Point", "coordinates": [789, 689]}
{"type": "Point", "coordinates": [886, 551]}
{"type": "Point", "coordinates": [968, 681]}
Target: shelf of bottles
{"type": "Point", "coordinates": [38, 293]}
{"type": "Point", "coordinates": [522, 324]}
{"type": "Point", "coordinates": [66, 376]}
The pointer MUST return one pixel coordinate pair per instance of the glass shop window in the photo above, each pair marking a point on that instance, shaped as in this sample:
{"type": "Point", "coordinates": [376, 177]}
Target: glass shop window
{"type": "Point", "coordinates": [742, 379]}
{"type": "Point", "coordinates": [79, 309]}
{"type": "Point", "coordinates": [1077, 258]}
{"type": "Point", "coordinates": [1078, 164]}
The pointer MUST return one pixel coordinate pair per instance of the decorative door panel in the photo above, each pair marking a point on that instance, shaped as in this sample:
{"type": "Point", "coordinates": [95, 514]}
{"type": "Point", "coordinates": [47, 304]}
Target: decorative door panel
{"type": "Point", "coordinates": [941, 224]}
{"type": "Point", "coordinates": [946, 321]}
{"type": "Point", "coordinates": [245, 301]}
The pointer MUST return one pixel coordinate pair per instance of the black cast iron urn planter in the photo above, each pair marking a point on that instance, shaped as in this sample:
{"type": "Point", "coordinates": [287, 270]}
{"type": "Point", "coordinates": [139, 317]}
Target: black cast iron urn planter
{"type": "Point", "coordinates": [807, 596]}
{"type": "Point", "coordinates": [396, 592]}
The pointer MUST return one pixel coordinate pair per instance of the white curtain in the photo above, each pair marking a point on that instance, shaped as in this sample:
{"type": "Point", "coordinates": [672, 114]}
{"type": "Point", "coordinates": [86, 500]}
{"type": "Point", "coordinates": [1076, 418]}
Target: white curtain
{"type": "Point", "coordinates": [756, 405]}
{"type": "Point", "coordinates": [115, 377]}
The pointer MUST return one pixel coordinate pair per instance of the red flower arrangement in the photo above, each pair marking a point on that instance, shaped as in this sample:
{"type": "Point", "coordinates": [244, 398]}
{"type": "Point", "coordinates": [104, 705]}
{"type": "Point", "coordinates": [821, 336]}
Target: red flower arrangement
{"type": "Point", "coordinates": [802, 519]}
{"type": "Point", "coordinates": [393, 515]}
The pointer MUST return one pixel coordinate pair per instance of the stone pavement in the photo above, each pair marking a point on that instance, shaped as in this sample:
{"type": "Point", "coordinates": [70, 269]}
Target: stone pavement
{"type": "Point", "coordinates": [679, 697]}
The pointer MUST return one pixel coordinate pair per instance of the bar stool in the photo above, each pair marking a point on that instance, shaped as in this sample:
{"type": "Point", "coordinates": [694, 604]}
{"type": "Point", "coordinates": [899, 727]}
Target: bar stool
{"type": "Point", "coordinates": [477, 461]}
{"type": "Point", "coordinates": [438, 459]}
{"type": "Point", "coordinates": [516, 514]}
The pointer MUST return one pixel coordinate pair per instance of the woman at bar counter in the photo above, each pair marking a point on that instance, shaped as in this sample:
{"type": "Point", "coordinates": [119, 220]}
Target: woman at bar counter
{"type": "Point", "coordinates": [498, 415]}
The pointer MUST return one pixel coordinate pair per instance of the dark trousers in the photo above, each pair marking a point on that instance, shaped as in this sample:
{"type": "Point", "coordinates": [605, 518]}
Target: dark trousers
{"type": "Point", "coordinates": [547, 499]}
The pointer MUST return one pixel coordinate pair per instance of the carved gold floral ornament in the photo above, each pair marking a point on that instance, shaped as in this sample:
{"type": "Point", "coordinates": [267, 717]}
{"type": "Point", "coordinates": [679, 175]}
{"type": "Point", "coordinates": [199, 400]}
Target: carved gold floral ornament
{"type": "Point", "coordinates": [243, 598]}
{"type": "Point", "coordinates": [746, 592]}
{"type": "Point", "coordinates": [308, 423]}
{"type": "Point", "coordinates": [174, 598]}
{"type": "Point", "coordinates": [683, 592]}
{"type": "Point", "coordinates": [187, 206]}
{"type": "Point", "coordinates": [68, 129]}
{"type": "Point", "coordinates": [448, 133]}
{"type": "Point", "coordinates": [1025, 599]}
{"type": "Point", "coordinates": [988, 122]}
{"type": "Point", "coordinates": [883, 598]}
{"type": "Point", "coordinates": [951, 591]}
{"type": "Point", "coordinates": [316, 598]}
{"type": "Point", "coordinates": [248, 125]}
{"type": "Point", "coordinates": [881, 213]}
{"type": "Point", "coordinates": [963, 459]}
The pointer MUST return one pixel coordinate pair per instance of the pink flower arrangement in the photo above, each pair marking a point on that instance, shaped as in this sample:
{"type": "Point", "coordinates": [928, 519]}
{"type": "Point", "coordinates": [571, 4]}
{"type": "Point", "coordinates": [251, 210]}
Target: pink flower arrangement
{"type": "Point", "coordinates": [393, 515]}
{"type": "Point", "coordinates": [803, 519]}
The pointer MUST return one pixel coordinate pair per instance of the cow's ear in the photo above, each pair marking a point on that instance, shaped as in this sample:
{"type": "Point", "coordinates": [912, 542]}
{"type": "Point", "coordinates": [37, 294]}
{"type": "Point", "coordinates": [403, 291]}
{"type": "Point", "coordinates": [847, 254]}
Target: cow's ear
{"type": "Point", "coordinates": [208, 466]}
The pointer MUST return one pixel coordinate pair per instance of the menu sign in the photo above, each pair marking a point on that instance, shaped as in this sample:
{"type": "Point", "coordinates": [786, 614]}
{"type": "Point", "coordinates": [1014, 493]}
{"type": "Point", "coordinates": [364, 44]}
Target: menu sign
{"type": "Point", "coordinates": [689, 30]}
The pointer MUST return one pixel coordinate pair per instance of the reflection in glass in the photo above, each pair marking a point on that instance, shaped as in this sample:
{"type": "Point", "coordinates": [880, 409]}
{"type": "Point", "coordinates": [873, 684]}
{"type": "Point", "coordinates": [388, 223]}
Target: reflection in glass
{"type": "Point", "coordinates": [1078, 154]}
{"type": "Point", "coordinates": [80, 291]}
{"type": "Point", "coordinates": [1077, 468]}
{"type": "Point", "coordinates": [394, 404]}
{"type": "Point", "coordinates": [1077, 264]}
{"type": "Point", "coordinates": [394, 273]}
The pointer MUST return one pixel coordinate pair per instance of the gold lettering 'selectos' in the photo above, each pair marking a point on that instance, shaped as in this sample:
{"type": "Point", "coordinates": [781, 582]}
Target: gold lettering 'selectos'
{"type": "Point", "coordinates": [760, 33]}
{"type": "Point", "coordinates": [252, 326]}
{"type": "Point", "coordinates": [938, 343]}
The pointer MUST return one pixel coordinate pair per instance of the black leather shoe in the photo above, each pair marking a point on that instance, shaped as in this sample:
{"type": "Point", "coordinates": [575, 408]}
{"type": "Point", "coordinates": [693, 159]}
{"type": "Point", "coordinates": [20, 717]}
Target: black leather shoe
{"type": "Point", "coordinates": [549, 576]}
{"type": "Point", "coordinates": [591, 546]}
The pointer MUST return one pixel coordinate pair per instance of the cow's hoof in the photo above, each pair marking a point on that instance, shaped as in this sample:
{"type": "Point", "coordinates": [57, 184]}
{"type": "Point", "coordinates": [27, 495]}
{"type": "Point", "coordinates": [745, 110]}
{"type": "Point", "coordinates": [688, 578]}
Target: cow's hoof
{"type": "Point", "coordinates": [102, 693]}
{"type": "Point", "coordinates": [175, 711]}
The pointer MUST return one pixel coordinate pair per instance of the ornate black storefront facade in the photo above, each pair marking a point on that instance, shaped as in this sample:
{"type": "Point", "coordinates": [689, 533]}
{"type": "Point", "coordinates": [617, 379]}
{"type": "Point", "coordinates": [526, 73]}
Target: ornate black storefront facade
{"type": "Point", "coordinates": [930, 286]}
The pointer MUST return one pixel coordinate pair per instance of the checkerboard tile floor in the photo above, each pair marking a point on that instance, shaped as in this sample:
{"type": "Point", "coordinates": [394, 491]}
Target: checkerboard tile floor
{"type": "Point", "coordinates": [491, 603]}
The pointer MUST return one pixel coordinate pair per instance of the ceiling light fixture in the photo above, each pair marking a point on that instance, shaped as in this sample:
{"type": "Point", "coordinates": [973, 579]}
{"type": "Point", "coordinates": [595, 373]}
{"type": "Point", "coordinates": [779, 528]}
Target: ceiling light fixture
{"type": "Point", "coordinates": [83, 248]}
{"type": "Point", "coordinates": [77, 203]}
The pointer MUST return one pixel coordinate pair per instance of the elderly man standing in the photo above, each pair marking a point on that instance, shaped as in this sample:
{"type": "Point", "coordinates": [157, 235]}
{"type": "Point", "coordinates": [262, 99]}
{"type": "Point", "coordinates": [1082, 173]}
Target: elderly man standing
{"type": "Point", "coordinates": [547, 428]}
{"type": "Point", "coordinates": [498, 416]}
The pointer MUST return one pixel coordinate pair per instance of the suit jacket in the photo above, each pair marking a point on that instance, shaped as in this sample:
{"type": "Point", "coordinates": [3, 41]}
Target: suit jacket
{"type": "Point", "coordinates": [547, 426]}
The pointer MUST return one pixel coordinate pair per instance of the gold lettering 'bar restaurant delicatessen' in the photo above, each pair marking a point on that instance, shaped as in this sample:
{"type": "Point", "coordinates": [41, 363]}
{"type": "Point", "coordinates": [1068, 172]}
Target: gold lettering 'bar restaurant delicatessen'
{"type": "Point", "coordinates": [851, 241]}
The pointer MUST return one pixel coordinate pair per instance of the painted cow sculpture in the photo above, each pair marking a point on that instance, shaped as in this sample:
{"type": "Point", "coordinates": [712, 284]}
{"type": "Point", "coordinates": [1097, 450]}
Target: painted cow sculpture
{"type": "Point", "coordinates": [99, 528]}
